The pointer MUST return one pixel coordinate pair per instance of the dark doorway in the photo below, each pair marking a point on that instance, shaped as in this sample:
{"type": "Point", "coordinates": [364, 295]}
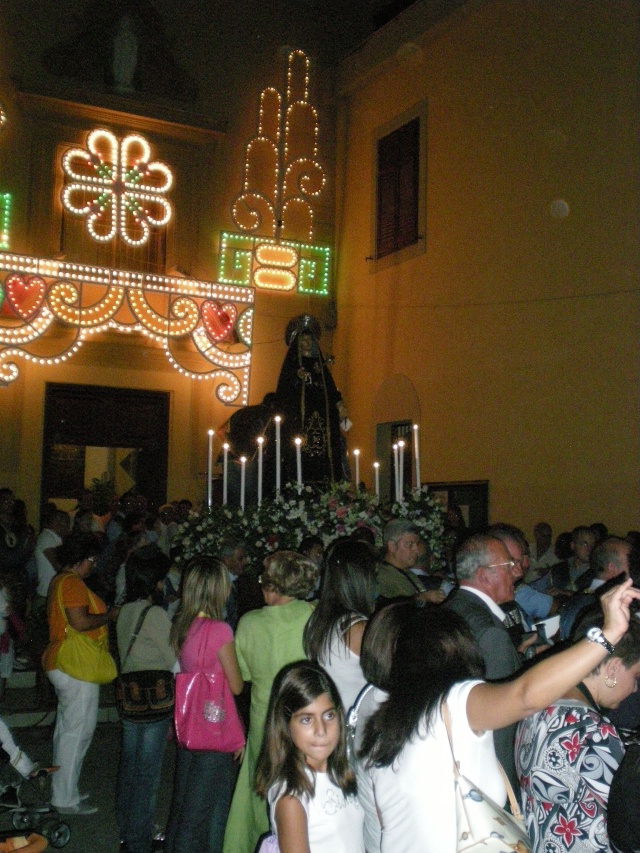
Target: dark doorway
{"type": "Point", "coordinates": [117, 435]}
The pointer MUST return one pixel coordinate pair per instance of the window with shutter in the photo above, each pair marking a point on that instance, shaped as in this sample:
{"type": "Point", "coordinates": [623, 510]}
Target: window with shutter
{"type": "Point", "coordinates": [398, 169]}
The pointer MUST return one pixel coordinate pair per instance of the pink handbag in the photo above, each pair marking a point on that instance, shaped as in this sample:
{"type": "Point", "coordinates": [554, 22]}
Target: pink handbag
{"type": "Point", "coordinates": [205, 713]}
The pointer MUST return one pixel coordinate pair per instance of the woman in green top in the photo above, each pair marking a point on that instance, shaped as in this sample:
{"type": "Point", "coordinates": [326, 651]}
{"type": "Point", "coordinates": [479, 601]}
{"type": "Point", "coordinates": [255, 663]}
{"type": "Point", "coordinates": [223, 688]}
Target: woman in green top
{"type": "Point", "coordinates": [265, 641]}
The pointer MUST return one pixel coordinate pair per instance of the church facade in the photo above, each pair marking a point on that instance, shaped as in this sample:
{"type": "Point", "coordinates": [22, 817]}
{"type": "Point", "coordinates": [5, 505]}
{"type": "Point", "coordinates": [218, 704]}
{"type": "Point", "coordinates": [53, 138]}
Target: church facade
{"type": "Point", "coordinates": [455, 200]}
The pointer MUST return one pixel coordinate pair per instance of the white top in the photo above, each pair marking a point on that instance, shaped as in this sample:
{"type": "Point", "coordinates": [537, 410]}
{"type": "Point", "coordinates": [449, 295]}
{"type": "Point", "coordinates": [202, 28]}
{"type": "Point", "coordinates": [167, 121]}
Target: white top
{"type": "Point", "coordinates": [415, 795]}
{"type": "Point", "coordinates": [344, 667]}
{"type": "Point", "coordinates": [372, 830]}
{"type": "Point", "coordinates": [46, 539]}
{"type": "Point", "coordinates": [334, 822]}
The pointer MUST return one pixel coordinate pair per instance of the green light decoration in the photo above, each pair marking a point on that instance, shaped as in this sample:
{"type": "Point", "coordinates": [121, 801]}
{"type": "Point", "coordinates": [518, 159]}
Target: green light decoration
{"type": "Point", "coordinates": [5, 218]}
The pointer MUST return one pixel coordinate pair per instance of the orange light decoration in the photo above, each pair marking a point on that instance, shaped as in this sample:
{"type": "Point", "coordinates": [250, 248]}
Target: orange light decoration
{"type": "Point", "coordinates": [204, 327]}
{"type": "Point", "coordinates": [115, 187]}
{"type": "Point", "coordinates": [282, 177]}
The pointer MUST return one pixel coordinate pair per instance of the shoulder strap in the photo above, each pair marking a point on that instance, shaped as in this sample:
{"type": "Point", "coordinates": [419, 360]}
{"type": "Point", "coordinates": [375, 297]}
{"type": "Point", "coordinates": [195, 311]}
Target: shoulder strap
{"type": "Point", "coordinates": [515, 811]}
{"type": "Point", "coordinates": [136, 631]}
{"type": "Point", "coordinates": [352, 717]}
{"type": "Point", "coordinates": [59, 596]}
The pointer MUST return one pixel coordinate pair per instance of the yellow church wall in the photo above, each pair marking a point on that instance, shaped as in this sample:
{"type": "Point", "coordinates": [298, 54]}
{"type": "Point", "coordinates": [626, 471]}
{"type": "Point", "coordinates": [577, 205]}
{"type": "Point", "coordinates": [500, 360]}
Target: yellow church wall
{"type": "Point", "coordinates": [519, 330]}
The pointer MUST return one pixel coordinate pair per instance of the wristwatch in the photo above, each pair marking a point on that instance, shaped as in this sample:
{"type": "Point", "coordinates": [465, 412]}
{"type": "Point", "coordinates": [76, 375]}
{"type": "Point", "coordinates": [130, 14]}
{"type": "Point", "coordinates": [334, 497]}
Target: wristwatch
{"type": "Point", "coordinates": [595, 635]}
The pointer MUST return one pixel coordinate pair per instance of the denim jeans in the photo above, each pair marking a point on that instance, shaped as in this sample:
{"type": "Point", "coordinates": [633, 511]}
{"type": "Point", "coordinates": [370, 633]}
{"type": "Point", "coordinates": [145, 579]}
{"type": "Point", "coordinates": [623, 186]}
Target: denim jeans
{"type": "Point", "coordinates": [201, 800]}
{"type": "Point", "coordinates": [138, 779]}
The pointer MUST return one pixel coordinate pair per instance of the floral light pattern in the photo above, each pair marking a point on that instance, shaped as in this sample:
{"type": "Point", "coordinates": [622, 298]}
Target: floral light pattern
{"type": "Point", "coordinates": [115, 187]}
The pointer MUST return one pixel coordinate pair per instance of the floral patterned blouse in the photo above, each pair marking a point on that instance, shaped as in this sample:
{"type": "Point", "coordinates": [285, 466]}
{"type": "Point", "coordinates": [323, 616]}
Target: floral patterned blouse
{"type": "Point", "coordinates": [566, 756]}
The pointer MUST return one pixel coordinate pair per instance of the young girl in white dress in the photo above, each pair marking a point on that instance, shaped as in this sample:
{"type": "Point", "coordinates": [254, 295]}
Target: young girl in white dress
{"type": "Point", "coordinates": [303, 769]}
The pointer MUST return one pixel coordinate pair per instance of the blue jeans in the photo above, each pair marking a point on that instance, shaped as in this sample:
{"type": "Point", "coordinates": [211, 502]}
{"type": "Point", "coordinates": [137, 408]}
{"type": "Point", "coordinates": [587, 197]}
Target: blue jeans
{"type": "Point", "coordinates": [201, 799]}
{"type": "Point", "coordinates": [138, 779]}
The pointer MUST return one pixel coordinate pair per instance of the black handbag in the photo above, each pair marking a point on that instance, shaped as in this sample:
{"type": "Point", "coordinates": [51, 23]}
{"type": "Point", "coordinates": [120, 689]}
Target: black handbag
{"type": "Point", "coordinates": [147, 695]}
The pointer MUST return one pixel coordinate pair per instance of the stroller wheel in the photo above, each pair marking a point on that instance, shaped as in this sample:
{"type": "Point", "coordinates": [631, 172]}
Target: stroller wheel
{"type": "Point", "coordinates": [57, 833]}
{"type": "Point", "coordinates": [21, 819]}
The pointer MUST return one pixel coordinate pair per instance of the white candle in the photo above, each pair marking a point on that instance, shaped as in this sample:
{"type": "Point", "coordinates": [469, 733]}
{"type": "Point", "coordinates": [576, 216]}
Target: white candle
{"type": "Point", "coordinates": [298, 443]}
{"type": "Point", "coordinates": [416, 454]}
{"type": "Point", "coordinates": [401, 469]}
{"type": "Point", "coordinates": [376, 477]}
{"type": "Point", "coordinates": [243, 471]}
{"type": "Point", "coordinates": [225, 472]}
{"type": "Point", "coordinates": [395, 470]}
{"type": "Point", "coordinates": [209, 468]}
{"type": "Point", "coordinates": [356, 454]}
{"type": "Point", "coordinates": [260, 440]}
{"type": "Point", "coordinates": [278, 419]}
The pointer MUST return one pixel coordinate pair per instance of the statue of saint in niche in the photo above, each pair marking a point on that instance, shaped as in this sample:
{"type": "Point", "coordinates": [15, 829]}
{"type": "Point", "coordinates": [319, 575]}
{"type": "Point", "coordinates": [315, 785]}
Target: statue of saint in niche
{"type": "Point", "coordinates": [311, 407]}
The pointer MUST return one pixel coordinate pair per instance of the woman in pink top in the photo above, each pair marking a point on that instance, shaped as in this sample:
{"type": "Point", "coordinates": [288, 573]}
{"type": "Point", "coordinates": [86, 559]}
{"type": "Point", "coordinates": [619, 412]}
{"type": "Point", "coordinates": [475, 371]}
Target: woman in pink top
{"type": "Point", "coordinates": [203, 779]}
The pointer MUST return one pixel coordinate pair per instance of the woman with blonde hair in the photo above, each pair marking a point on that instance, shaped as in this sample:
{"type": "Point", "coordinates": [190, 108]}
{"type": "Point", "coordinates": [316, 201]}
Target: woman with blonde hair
{"type": "Point", "coordinates": [203, 777]}
{"type": "Point", "coordinates": [266, 640]}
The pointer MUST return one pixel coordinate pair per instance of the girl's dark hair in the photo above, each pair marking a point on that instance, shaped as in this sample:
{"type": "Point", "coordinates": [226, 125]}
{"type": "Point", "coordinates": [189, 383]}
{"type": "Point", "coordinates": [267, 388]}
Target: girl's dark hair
{"type": "Point", "coordinates": [144, 569]}
{"type": "Point", "coordinates": [76, 548]}
{"type": "Point", "coordinates": [434, 650]}
{"type": "Point", "coordinates": [347, 589]}
{"type": "Point", "coordinates": [379, 642]}
{"type": "Point", "coordinates": [297, 685]}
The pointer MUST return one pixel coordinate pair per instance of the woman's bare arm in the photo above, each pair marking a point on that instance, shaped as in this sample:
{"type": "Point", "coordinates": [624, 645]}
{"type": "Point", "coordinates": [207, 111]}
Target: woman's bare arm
{"type": "Point", "coordinates": [81, 620]}
{"type": "Point", "coordinates": [493, 706]}
{"type": "Point", "coordinates": [228, 659]}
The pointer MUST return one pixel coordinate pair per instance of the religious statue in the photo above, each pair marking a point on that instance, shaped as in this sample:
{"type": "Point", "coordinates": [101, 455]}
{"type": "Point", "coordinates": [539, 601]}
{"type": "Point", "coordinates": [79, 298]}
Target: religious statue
{"type": "Point", "coordinates": [311, 407]}
{"type": "Point", "coordinates": [125, 55]}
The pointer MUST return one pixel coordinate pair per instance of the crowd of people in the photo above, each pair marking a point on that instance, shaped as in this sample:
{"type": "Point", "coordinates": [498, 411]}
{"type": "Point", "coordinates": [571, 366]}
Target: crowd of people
{"type": "Point", "coordinates": [502, 654]}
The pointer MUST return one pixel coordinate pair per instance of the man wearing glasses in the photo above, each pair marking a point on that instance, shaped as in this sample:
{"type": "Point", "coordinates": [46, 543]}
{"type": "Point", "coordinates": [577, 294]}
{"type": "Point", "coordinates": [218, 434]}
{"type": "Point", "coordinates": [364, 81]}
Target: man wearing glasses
{"type": "Point", "coordinates": [487, 573]}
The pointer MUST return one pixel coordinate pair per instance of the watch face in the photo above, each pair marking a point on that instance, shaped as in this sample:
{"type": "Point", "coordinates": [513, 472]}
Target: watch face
{"type": "Point", "coordinates": [594, 633]}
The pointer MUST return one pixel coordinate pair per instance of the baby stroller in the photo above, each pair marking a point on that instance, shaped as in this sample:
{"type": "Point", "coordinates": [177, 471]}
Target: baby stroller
{"type": "Point", "coordinates": [23, 801]}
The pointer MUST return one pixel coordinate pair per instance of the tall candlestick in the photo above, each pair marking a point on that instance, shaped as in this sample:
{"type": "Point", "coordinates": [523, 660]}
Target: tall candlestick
{"type": "Point", "coordinates": [278, 419]}
{"type": "Point", "coordinates": [416, 454]}
{"type": "Point", "coordinates": [260, 440]}
{"type": "Point", "coordinates": [356, 454]}
{"type": "Point", "coordinates": [401, 469]}
{"type": "Point", "coordinates": [209, 468]}
{"type": "Point", "coordinates": [395, 471]}
{"type": "Point", "coordinates": [298, 442]}
{"type": "Point", "coordinates": [243, 472]}
{"type": "Point", "coordinates": [225, 472]}
{"type": "Point", "coordinates": [376, 477]}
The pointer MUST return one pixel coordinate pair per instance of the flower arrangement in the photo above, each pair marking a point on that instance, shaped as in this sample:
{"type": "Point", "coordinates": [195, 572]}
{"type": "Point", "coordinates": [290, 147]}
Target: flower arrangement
{"type": "Point", "coordinates": [282, 522]}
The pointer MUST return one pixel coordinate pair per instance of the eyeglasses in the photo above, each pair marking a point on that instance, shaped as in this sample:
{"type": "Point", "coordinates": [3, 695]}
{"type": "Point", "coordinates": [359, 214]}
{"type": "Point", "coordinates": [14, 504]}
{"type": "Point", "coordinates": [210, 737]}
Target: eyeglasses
{"type": "Point", "coordinates": [509, 563]}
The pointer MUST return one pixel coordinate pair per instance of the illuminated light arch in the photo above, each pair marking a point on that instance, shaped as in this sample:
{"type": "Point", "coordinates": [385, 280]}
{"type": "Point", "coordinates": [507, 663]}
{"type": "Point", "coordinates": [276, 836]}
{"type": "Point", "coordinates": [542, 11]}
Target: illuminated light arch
{"type": "Point", "coordinates": [36, 294]}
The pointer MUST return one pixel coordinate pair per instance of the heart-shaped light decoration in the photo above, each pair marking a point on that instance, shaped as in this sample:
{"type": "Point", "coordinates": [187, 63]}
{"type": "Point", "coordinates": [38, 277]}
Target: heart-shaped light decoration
{"type": "Point", "coordinates": [24, 296]}
{"type": "Point", "coordinates": [218, 319]}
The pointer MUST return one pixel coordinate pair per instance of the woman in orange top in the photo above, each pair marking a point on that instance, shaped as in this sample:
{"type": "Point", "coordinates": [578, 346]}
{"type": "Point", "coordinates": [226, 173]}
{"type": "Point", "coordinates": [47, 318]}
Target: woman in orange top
{"type": "Point", "coordinates": [71, 601]}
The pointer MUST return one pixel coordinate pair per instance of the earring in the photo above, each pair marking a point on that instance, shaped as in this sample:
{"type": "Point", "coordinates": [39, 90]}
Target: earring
{"type": "Point", "coordinates": [610, 682]}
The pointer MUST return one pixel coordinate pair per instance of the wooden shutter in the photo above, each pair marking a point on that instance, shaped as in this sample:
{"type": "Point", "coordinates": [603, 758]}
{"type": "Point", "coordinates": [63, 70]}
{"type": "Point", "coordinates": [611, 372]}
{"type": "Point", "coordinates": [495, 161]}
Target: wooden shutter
{"type": "Point", "coordinates": [397, 189]}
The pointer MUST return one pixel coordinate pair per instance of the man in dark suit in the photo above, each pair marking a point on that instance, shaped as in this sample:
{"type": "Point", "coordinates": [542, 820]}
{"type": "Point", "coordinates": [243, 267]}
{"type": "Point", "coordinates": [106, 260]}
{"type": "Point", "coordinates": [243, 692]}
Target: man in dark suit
{"type": "Point", "coordinates": [486, 573]}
